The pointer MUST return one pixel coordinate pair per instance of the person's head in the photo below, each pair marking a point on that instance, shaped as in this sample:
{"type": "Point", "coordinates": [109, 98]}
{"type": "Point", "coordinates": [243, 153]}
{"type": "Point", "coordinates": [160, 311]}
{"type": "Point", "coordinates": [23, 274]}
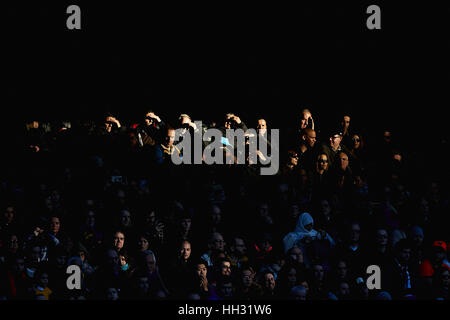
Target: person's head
{"type": "Point", "coordinates": [238, 246]}
{"type": "Point", "coordinates": [34, 124]}
{"type": "Point", "coordinates": [60, 258]}
{"type": "Point", "coordinates": [309, 226]}
{"type": "Point", "coordinates": [387, 136]}
{"type": "Point", "coordinates": [294, 211]}
{"type": "Point", "coordinates": [184, 119]}
{"type": "Point", "coordinates": [185, 250]}
{"type": "Point", "coordinates": [8, 215]}
{"type": "Point", "coordinates": [298, 293]}
{"type": "Point", "coordinates": [343, 290]}
{"type": "Point", "coordinates": [341, 269]}
{"type": "Point", "coordinates": [123, 259]}
{"type": "Point", "coordinates": [417, 235]}
{"type": "Point", "coordinates": [150, 217]}
{"type": "Point", "coordinates": [292, 159]}
{"type": "Point", "coordinates": [403, 251]}
{"type": "Point", "coordinates": [12, 243]}
{"type": "Point", "coordinates": [185, 223]}
{"type": "Point", "coordinates": [269, 280]}
{"type": "Point", "coordinates": [264, 241]}
{"type": "Point", "coordinates": [325, 207]}
{"type": "Point", "coordinates": [229, 120]}
{"type": "Point", "coordinates": [112, 294]}
{"type": "Point", "coordinates": [18, 265]}
{"type": "Point", "coordinates": [263, 209]}
{"type": "Point", "coordinates": [112, 260]}
{"type": "Point", "coordinates": [225, 267]}
{"type": "Point", "coordinates": [216, 214]}
{"type": "Point", "coordinates": [247, 277]}
{"type": "Point", "coordinates": [322, 162]}
{"type": "Point", "coordinates": [217, 242]}
{"type": "Point", "coordinates": [443, 277]}
{"type": "Point", "coordinates": [110, 121]}
{"type": "Point", "coordinates": [90, 218]}
{"type": "Point", "coordinates": [201, 270]}
{"type": "Point", "coordinates": [343, 161]}
{"type": "Point", "coordinates": [261, 126]}
{"type": "Point", "coordinates": [125, 218]}
{"type": "Point", "coordinates": [305, 284]}
{"type": "Point", "coordinates": [318, 272]}
{"type": "Point", "coordinates": [170, 137]}
{"type": "Point", "coordinates": [291, 275]}
{"type": "Point", "coordinates": [149, 117]}
{"type": "Point", "coordinates": [143, 243]}
{"type": "Point", "coordinates": [357, 141]}
{"type": "Point", "coordinates": [35, 254]}
{"type": "Point", "coordinates": [335, 140]}
{"type": "Point", "coordinates": [55, 225]}
{"type": "Point", "coordinates": [119, 240]}
{"type": "Point", "coordinates": [305, 115]}
{"type": "Point", "coordinates": [295, 255]}
{"type": "Point", "coordinates": [382, 237]}
{"type": "Point", "coordinates": [345, 123]}
{"type": "Point", "coordinates": [439, 251]}
{"type": "Point", "coordinates": [149, 261]}
{"type": "Point", "coordinates": [309, 137]}
{"type": "Point", "coordinates": [143, 285]}
{"type": "Point", "coordinates": [42, 278]}
{"type": "Point", "coordinates": [355, 232]}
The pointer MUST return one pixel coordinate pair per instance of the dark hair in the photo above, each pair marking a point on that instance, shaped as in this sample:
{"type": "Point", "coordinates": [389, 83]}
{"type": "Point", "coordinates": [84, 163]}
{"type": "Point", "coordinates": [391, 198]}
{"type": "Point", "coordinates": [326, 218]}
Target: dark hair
{"type": "Point", "coordinates": [403, 244]}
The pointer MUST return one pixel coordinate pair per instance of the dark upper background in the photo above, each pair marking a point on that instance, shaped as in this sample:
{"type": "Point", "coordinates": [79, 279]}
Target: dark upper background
{"type": "Point", "coordinates": [208, 60]}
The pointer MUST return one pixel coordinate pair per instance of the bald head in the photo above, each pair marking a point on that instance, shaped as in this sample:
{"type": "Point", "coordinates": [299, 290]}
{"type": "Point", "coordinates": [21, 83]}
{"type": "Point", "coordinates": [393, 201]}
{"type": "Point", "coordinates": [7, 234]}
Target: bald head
{"type": "Point", "coordinates": [309, 137]}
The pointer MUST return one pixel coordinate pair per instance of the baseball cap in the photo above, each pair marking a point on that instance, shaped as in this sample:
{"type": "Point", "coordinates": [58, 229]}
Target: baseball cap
{"type": "Point", "coordinates": [441, 244]}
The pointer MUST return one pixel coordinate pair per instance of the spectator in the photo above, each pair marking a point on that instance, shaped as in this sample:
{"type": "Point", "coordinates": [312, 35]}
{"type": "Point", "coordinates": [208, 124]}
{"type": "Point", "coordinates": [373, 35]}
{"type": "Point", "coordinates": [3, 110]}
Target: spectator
{"type": "Point", "coordinates": [333, 147]}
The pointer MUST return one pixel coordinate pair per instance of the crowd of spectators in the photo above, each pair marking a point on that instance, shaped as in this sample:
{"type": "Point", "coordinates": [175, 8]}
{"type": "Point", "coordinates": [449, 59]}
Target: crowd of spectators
{"type": "Point", "coordinates": [105, 196]}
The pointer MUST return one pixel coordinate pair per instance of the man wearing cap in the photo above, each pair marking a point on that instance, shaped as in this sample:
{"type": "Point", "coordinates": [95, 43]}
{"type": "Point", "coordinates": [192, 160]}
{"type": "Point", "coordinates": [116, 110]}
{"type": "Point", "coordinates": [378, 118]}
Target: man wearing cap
{"type": "Point", "coordinates": [438, 259]}
{"type": "Point", "coordinates": [333, 146]}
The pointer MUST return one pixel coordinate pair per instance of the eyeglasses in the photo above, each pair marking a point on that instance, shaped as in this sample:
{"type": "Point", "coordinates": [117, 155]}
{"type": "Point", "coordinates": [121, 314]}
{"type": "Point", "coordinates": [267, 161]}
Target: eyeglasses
{"type": "Point", "coordinates": [322, 161]}
{"type": "Point", "coordinates": [294, 156]}
{"type": "Point", "coordinates": [356, 139]}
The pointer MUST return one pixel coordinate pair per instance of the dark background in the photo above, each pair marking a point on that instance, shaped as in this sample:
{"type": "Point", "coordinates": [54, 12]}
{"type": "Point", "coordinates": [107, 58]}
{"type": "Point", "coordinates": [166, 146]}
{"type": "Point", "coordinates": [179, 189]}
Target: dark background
{"type": "Point", "coordinates": [207, 60]}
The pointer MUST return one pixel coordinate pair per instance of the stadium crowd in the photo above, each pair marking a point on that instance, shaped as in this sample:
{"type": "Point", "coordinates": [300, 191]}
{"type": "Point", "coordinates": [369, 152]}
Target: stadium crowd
{"type": "Point", "coordinates": [106, 196]}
